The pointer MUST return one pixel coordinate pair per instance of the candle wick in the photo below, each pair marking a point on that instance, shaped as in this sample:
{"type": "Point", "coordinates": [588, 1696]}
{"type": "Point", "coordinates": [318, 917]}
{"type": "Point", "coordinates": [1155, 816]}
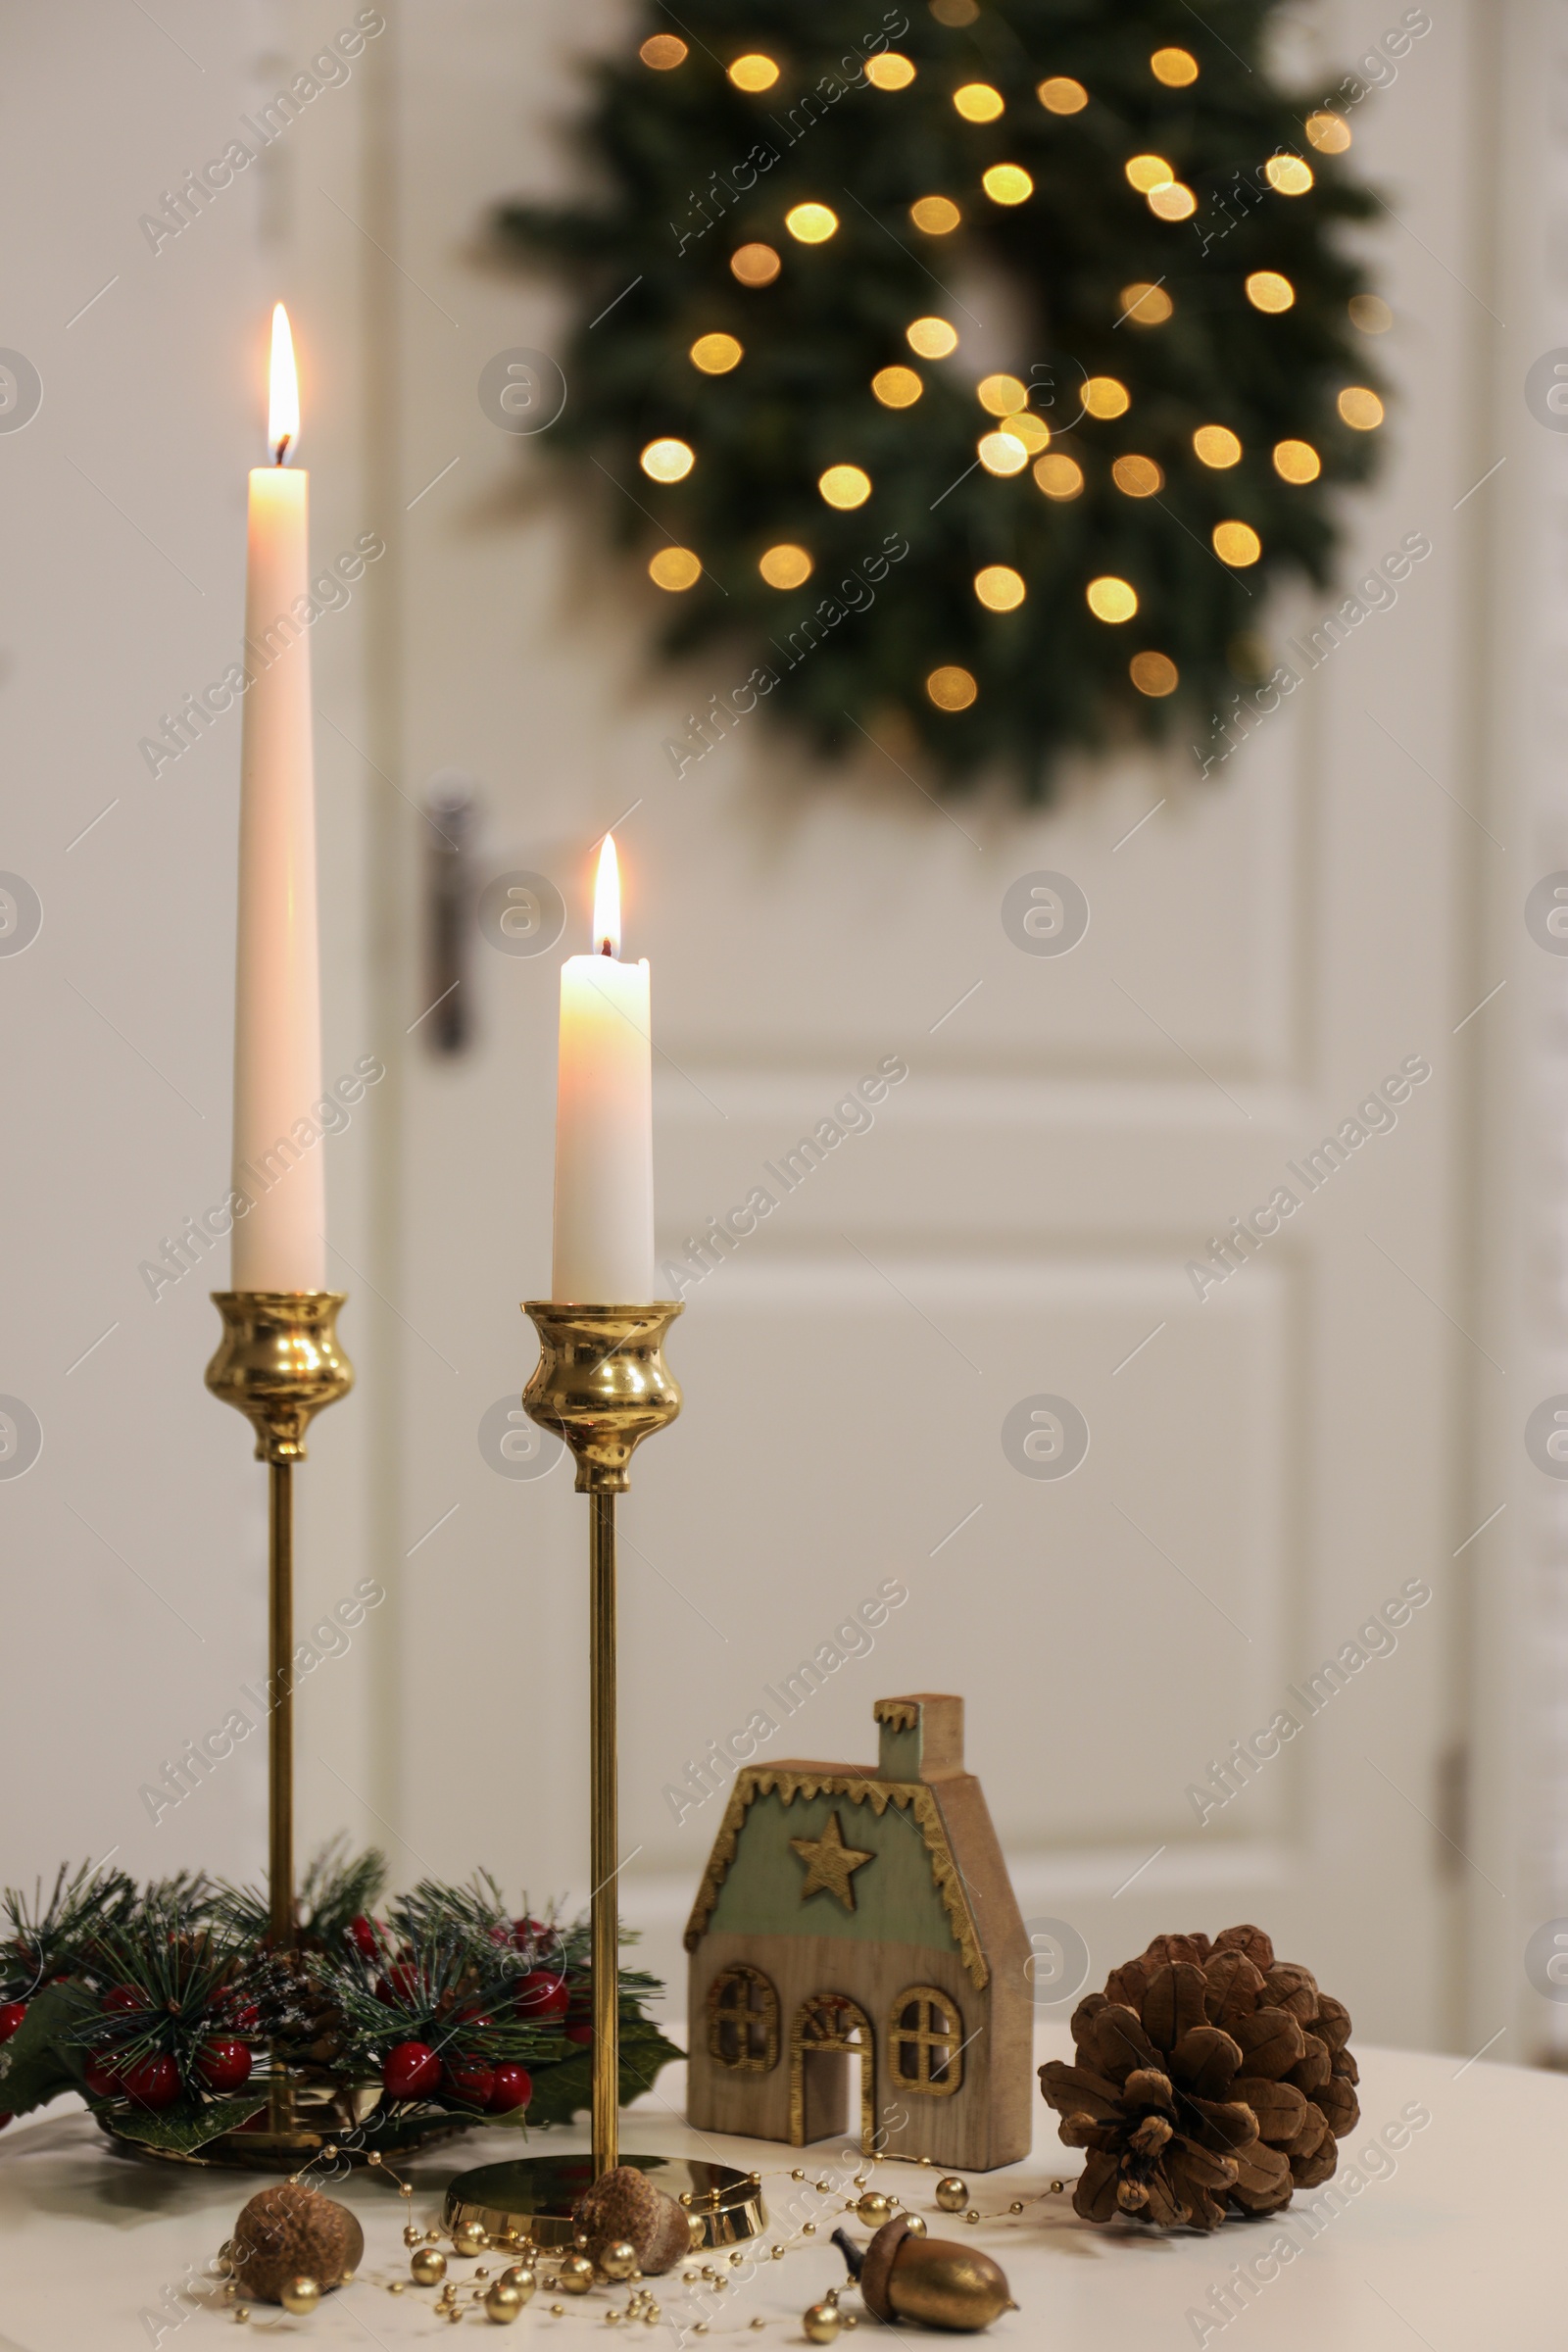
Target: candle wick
{"type": "Point", "coordinates": [605, 947]}
{"type": "Point", "coordinates": [282, 449]}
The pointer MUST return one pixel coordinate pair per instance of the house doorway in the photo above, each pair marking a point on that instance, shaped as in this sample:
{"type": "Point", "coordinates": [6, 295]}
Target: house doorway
{"type": "Point", "coordinates": [828, 2030]}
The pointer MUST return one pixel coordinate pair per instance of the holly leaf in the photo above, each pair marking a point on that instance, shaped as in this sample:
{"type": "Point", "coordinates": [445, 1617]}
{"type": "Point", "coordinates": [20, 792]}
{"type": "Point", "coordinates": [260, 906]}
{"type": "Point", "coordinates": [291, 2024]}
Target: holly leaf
{"type": "Point", "coordinates": [36, 2064]}
{"type": "Point", "coordinates": [566, 2089]}
{"type": "Point", "coordinates": [180, 2132]}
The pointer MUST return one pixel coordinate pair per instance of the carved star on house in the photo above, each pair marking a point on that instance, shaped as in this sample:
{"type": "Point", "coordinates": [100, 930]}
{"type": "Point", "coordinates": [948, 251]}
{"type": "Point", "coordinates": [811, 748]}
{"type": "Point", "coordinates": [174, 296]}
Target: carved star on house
{"type": "Point", "coordinates": [829, 1863]}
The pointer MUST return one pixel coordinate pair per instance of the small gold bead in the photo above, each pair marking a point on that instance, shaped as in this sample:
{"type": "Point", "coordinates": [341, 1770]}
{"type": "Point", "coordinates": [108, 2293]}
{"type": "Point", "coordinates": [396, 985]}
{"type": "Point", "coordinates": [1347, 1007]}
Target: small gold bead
{"type": "Point", "coordinates": [973, 2214]}
{"type": "Point", "coordinates": [701, 2328]}
{"type": "Point", "coordinates": [243, 2314]}
{"type": "Point", "coordinates": [953, 2193]}
{"type": "Point", "coordinates": [300, 2296]}
{"type": "Point", "coordinates": [850, 2318]}
{"type": "Point", "coordinates": [779, 2253]}
{"type": "Point", "coordinates": [396, 2287]}
{"type": "Point", "coordinates": [758, 2323]}
{"type": "Point", "coordinates": [428, 2267]}
{"type": "Point", "coordinates": [405, 2189]}
{"type": "Point", "coordinates": [374, 2156]}
{"type": "Point", "coordinates": [914, 2225]}
{"type": "Point", "coordinates": [330, 2151]}
{"type": "Point", "coordinates": [1017, 2207]}
{"type": "Point", "coordinates": [808, 2228]}
{"type": "Point", "coordinates": [874, 2208]}
{"type": "Point", "coordinates": [558, 2311]}
{"type": "Point", "coordinates": [1057, 2187]}
{"type": "Point", "coordinates": [797, 2175]}
{"type": "Point", "coordinates": [735, 2258]}
{"type": "Point", "coordinates": [482, 2272]}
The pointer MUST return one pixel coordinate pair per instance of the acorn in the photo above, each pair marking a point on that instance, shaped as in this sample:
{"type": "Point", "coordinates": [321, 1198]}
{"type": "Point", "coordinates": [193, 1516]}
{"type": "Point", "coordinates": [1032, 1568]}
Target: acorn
{"type": "Point", "coordinates": [292, 2231]}
{"type": "Point", "coordinates": [625, 2208]}
{"type": "Point", "coordinates": [904, 2275]}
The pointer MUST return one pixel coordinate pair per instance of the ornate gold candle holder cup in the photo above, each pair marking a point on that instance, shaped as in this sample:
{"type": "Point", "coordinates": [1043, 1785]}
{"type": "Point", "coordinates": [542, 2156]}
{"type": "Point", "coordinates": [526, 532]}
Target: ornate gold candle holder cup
{"type": "Point", "coordinates": [602, 1384]}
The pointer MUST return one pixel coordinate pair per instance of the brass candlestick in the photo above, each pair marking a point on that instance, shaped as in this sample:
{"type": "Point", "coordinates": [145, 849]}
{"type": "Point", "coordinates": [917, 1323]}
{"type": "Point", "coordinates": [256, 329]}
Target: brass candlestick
{"type": "Point", "coordinates": [602, 1384]}
{"type": "Point", "coordinates": [278, 1363]}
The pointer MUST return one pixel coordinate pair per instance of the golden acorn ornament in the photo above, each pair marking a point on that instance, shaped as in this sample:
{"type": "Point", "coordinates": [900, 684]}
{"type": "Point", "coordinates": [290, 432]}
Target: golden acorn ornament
{"type": "Point", "coordinates": [905, 2274]}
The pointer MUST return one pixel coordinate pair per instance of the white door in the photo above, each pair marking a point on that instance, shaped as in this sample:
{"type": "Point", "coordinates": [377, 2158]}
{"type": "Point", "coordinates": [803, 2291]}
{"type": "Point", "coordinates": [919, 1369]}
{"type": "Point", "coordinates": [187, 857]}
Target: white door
{"type": "Point", "coordinates": [1273, 958]}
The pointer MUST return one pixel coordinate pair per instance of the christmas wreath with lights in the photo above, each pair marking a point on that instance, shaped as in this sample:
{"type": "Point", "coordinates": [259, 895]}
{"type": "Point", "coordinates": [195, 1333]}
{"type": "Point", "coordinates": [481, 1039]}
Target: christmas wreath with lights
{"type": "Point", "coordinates": [964, 374]}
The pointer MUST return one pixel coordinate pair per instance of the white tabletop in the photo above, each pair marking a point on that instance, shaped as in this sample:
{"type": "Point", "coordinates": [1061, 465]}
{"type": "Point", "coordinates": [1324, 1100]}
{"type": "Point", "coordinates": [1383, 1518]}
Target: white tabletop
{"type": "Point", "coordinates": [1453, 2239]}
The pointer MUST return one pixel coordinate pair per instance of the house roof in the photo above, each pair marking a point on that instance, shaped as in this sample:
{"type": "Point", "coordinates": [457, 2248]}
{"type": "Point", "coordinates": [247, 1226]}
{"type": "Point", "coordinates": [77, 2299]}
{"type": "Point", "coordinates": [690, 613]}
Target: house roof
{"type": "Point", "coordinates": [910, 1889]}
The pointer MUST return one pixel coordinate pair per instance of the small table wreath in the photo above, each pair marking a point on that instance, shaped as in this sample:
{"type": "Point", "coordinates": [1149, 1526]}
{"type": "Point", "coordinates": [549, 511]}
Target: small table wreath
{"type": "Point", "coordinates": [964, 376]}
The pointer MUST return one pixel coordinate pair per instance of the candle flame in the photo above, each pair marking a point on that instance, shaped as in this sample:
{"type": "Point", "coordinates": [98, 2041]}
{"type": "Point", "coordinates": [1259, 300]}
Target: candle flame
{"type": "Point", "coordinates": [607, 901]}
{"type": "Point", "coordinates": [283, 408]}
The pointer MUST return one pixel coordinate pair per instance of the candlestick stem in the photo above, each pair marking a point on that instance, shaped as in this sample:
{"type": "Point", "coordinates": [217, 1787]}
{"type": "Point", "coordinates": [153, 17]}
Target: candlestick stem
{"type": "Point", "coordinates": [603, 1385]}
{"type": "Point", "coordinates": [279, 1363]}
{"type": "Point", "coordinates": [605, 1858]}
{"type": "Point", "coordinates": [280, 1687]}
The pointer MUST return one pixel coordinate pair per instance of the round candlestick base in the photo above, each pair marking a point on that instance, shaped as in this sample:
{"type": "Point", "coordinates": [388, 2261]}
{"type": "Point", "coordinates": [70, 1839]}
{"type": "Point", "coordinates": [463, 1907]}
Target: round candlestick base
{"type": "Point", "coordinates": [533, 2196]}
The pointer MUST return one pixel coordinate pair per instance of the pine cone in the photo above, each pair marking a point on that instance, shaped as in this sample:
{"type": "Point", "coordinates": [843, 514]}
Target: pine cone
{"type": "Point", "coordinates": [1209, 2077]}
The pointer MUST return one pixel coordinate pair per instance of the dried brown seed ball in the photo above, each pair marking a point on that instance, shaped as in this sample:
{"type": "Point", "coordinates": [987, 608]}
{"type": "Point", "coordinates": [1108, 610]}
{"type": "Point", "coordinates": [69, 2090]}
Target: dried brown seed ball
{"type": "Point", "coordinates": [292, 2231]}
{"type": "Point", "coordinates": [625, 2208]}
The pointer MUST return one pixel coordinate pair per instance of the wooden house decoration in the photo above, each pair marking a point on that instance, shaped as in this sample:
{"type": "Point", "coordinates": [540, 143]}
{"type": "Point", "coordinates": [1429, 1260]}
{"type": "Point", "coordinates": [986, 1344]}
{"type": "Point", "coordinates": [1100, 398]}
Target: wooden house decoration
{"type": "Point", "coordinates": [847, 1909]}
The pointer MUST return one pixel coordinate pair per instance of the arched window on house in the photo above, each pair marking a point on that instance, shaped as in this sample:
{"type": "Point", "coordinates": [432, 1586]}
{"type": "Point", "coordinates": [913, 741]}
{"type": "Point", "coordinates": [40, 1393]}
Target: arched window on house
{"type": "Point", "coordinates": [743, 2020]}
{"type": "Point", "coordinates": [925, 2041]}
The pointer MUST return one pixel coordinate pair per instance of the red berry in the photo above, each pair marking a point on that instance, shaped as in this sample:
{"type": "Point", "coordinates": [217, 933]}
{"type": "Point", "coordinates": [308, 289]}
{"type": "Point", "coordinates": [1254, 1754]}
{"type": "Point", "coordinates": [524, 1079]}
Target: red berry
{"type": "Point", "coordinates": [363, 1936]}
{"type": "Point", "coordinates": [542, 1996]}
{"type": "Point", "coordinates": [120, 1999]}
{"type": "Point", "coordinates": [469, 2079]}
{"type": "Point", "coordinates": [153, 2083]}
{"type": "Point", "coordinates": [581, 2034]}
{"type": "Point", "coordinates": [411, 2071]}
{"type": "Point", "coordinates": [400, 1984]}
{"type": "Point", "coordinates": [246, 2018]}
{"type": "Point", "coordinates": [225, 2065]}
{"type": "Point", "coordinates": [513, 2087]}
{"type": "Point", "coordinates": [102, 2078]}
{"type": "Point", "coordinates": [12, 2014]}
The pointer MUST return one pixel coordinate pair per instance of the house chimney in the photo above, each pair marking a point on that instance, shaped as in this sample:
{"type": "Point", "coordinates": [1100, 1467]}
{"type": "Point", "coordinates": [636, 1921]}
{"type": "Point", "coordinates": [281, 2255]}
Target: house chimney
{"type": "Point", "coordinates": [922, 1737]}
